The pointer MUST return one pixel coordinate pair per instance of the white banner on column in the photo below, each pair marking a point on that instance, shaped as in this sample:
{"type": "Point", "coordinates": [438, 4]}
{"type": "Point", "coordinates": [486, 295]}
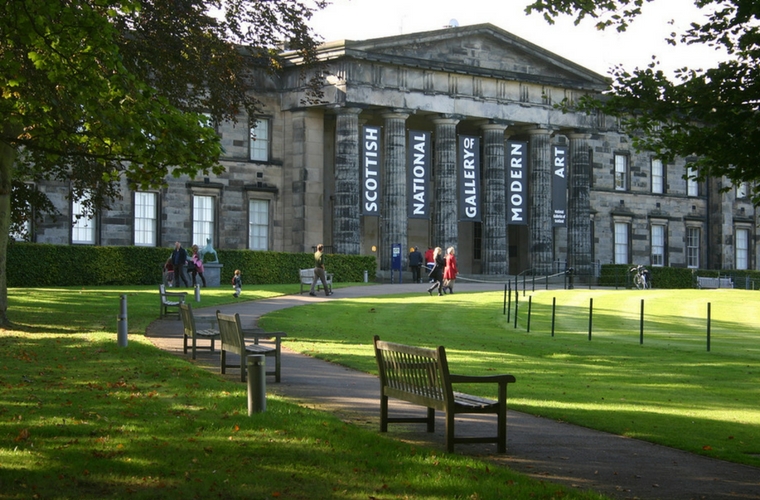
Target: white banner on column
{"type": "Point", "coordinates": [370, 170]}
{"type": "Point", "coordinates": [517, 183]}
{"type": "Point", "coordinates": [559, 186]}
{"type": "Point", "coordinates": [469, 178]}
{"type": "Point", "coordinates": [419, 174]}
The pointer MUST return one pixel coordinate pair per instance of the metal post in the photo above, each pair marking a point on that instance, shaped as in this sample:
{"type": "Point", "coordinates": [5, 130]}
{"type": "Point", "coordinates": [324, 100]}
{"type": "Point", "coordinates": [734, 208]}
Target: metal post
{"type": "Point", "coordinates": [530, 305]}
{"type": "Point", "coordinates": [197, 293]}
{"type": "Point", "coordinates": [554, 310]}
{"type": "Point", "coordinates": [257, 384]}
{"type": "Point", "coordinates": [366, 277]}
{"type": "Point", "coordinates": [708, 327]}
{"type": "Point", "coordinates": [641, 324]}
{"type": "Point", "coordinates": [121, 322]}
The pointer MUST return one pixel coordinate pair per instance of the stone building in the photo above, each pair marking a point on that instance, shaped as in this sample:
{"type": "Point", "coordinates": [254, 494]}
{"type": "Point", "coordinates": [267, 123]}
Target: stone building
{"type": "Point", "coordinates": [443, 138]}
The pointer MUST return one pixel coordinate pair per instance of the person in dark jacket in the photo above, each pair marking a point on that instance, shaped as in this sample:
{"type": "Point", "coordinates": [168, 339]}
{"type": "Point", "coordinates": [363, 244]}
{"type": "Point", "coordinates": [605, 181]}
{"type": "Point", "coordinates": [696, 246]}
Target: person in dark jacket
{"type": "Point", "coordinates": [415, 262]}
{"type": "Point", "coordinates": [437, 273]}
{"type": "Point", "coordinates": [179, 257]}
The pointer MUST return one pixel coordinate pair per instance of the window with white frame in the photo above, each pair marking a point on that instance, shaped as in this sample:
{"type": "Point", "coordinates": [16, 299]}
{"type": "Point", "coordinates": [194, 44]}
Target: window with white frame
{"type": "Point", "coordinates": [621, 243]}
{"type": "Point", "coordinates": [692, 185]}
{"type": "Point", "coordinates": [658, 177]}
{"type": "Point", "coordinates": [260, 139]}
{"type": "Point", "coordinates": [692, 247]}
{"type": "Point", "coordinates": [258, 224]}
{"type": "Point", "coordinates": [203, 219]}
{"type": "Point", "coordinates": [146, 218]}
{"type": "Point", "coordinates": [621, 172]}
{"type": "Point", "coordinates": [83, 227]}
{"type": "Point", "coordinates": [658, 245]}
{"type": "Point", "coordinates": [742, 248]}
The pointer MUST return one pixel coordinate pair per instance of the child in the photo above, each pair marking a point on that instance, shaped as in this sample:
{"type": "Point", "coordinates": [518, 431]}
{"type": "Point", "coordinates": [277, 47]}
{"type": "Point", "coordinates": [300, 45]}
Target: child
{"type": "Point", "coordinates": [237, 283]}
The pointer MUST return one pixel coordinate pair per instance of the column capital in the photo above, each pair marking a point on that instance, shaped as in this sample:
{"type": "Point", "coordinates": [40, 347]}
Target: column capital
{"type": "Point", "coordinates": [497, 125]}
{"type": "Point", "coordinates": [400, 114]}
{"type": "Point", "coordinates": [447, 119]}
{"type": "Point", "coordinates": [577, 133]}
{"type": "Point", "coordinates": [540, 130]}
{"type": "Point", "coordinates": [347, 110]}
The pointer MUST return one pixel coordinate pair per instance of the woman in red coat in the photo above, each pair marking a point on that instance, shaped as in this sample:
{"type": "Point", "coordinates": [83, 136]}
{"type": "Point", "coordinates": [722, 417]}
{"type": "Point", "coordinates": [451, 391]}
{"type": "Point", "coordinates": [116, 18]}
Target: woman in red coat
{"type": "Point", "coordinates": [451, 271]}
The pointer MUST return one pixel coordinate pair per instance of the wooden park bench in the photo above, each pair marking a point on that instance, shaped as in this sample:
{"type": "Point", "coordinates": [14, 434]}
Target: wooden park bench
{"type": "Point", "coordinates": [707, 282]}
{"type": "Point", "coordinates": [170, 300]}
{"type": "Point", "coordinates": [421, 376]}
{"type": "Point", "coordinates": [307, 277]}
{"type": "Point", "coordinates": [192, 334]}
{"type": "Point", "coordinates": [233, 338]}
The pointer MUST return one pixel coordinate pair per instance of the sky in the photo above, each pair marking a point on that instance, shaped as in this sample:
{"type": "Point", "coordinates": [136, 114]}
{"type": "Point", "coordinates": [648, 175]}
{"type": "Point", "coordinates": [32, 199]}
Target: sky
{"type": "Point", "coordinates": [582, 44]}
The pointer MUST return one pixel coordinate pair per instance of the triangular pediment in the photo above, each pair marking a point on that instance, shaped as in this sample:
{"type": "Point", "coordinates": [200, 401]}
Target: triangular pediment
{"type": "Point", "coordinates": [482, 49]}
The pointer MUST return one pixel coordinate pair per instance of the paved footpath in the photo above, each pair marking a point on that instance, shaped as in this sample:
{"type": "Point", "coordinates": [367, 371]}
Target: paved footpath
{"type": "Point", "coordinates": [619, 467]}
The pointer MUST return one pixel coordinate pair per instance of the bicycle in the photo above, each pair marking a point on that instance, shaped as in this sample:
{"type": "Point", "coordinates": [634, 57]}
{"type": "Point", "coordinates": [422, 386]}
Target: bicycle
{"type": "Point", "coordinates": [641, 278]}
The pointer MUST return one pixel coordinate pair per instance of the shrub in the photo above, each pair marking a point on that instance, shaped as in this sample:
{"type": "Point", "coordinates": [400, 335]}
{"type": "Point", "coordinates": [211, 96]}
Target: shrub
{"type": "Point", "coordinates": [37, 265]}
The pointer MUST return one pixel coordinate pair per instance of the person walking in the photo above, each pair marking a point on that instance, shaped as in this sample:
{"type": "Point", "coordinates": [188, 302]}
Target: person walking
{"type": "Point", "coordinates": [179, 257]}
{"type": "Point", "coordinates": [415, 262]}
{"type": "Point", "coordinates": [237, 283]}
{"type": "Point", "coordinates": [450, 272]}
{"type": "Point", "coordinates": [198, 266]}
{"type": "Point", "coordinates": [319, 271]}
{"type": "Point", "coordinates": [437, 273]}
{"type": "Point", "coordinates": [429, 260]}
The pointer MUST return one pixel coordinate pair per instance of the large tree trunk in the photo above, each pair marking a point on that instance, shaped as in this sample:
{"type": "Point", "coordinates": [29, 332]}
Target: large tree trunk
{"type": "Point", "coordinates": [8, 155]}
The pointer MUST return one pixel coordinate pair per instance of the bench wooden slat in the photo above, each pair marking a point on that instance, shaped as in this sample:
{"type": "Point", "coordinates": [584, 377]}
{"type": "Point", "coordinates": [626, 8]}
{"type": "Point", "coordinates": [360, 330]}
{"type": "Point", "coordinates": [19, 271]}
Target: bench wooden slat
{"type": "Point", "coordinates": [421, 376]}
{"type": "Point", "coordinates": [192, 334]}
{"type": "Point", "coordinates": [233, 340]}
{"type": "Point", "coordinates": [306, 277]}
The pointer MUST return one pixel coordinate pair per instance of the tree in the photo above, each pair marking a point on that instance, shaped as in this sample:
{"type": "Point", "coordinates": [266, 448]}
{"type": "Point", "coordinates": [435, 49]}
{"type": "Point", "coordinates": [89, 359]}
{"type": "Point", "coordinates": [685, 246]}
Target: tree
{"type": "Point", "coordinates": [709, 116]}
{"type": "Point", "coordinates": [94, 91]}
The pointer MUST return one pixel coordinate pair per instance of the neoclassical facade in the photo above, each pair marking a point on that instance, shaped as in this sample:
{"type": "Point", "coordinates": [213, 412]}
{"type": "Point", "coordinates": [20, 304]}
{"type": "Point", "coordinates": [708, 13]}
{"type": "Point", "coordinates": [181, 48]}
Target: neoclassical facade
{"type": "Point", "coordinates": [443, 138]}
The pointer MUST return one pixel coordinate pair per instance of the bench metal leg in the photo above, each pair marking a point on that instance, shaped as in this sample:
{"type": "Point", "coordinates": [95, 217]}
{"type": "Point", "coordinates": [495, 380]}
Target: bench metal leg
{"type": "Point", "coordinates": [383, 413]}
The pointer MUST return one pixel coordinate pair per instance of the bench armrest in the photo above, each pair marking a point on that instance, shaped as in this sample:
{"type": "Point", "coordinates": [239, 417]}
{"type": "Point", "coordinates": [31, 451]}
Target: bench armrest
{"type": "Point", "coordinates": [474, 379]}
{"type": "Point", "coordinates": [258, 333]}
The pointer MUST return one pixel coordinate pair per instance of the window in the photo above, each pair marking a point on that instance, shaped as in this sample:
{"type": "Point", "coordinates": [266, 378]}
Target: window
{"type": "Point", "coordinates": [145, 219]}
{"type": "Point", "coordinates": [258, 225]}
{"type": "Point", "coordinates": [658, 177]}
{"type": "Point", "coordinates": [259, 143]}
{"type": "Point", "coordinates": [83, 228]}
{"type": "Point", "coordinates": [621, 243]}
{"type": "Point", "coordinates": [742, 249]}
{"type": "Point", "coordinates": [658, 245]}
{"type": "Point", "coordinates": [203, 219]}
{"type": "Point", "coordinates": [621, 173]}
{"type": "Point", "coordinates": [692, 247]}
{"type": "Point", "coordinates": [742, 190]}
{"type": "Point", "coordinates": [692, 185]}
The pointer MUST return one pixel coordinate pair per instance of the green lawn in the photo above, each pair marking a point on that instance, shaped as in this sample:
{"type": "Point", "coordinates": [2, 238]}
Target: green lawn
{"type": "Point", "coordinates": [81, 418]}
{"type": "Point", "coordinates": [668, 390]}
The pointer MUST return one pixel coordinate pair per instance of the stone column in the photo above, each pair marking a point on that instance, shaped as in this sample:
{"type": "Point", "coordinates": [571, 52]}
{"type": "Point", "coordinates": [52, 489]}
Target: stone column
{"type": "Point", "coordinates": [494, 256]}
{"type": "Point", "coordinates": [540, 244]}
{"type": "Point", "coordinates": [579, 206]}
{"type": "Point", "coordinates": [393, 211]}
{"type": "Point", "coordinates": [346, 215]}
{"type": "Point", "coordinates": [445, 228]}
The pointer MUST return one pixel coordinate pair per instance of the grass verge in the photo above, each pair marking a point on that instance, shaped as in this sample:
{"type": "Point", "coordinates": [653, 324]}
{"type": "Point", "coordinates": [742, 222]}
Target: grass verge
{"type": "Point", "coordinates": [81, 417]}
{"type": "Point", "coordinates": [668, 390]}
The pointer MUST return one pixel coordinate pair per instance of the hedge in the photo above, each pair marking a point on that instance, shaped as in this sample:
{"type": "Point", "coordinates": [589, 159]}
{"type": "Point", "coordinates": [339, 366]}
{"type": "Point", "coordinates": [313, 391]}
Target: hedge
{"type": "Point", "coordinates": [38, 265]}
{"type": "Point", "coordinates": [619, 275]}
